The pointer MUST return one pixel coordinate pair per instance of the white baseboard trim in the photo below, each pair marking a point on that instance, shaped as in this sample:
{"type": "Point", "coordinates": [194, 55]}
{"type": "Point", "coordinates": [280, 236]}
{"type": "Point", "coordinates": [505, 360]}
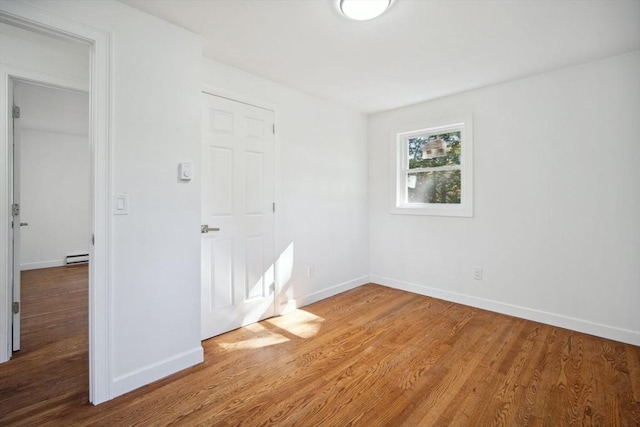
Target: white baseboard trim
{"type": "Point", "coordinates": [323, 294]}
{"type": "Point", "coordinates": [567, 322]}
{"type": "Point", "coordinates": [131, 381]}
{"type": "Point", "coordinates": [42, 264]}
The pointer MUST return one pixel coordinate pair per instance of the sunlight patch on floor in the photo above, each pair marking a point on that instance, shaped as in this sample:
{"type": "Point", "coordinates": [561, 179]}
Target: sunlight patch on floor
{"type": "Point", "coordinates": [260, 337]}
{"type": "Point", "coordinates": [299, 323]}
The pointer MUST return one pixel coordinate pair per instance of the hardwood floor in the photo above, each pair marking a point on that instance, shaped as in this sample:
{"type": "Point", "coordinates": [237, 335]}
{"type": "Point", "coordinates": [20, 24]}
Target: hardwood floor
{"type": "Point", "coordinates": [372, 356]}
{"type": "Point", "coordinates": [51, 369]}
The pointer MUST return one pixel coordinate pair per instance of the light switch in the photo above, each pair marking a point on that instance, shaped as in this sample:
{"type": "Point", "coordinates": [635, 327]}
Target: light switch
{"type": "Point", "coordinates": [121, 204]}
{"type": "Point", "coordinates": [185, 171]}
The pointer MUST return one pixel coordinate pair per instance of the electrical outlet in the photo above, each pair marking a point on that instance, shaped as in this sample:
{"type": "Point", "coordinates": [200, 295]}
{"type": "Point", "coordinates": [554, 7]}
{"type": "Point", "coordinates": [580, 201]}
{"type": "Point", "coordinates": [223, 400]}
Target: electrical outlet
{"type": "Point", "coordinates": [477, 273]}
{"type": "Point", "coordinates": [310, 271]}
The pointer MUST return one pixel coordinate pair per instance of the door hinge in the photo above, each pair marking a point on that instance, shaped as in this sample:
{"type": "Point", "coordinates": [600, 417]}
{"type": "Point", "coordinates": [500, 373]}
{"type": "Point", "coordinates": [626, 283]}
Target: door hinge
{"type": "Point", "coordinates": [273, 129]}
{"type": "Point", "coordinates": [15, 112]}
{"type": "Point", "coordinates": [15, 308]}
{"type": "Point", "coordinates": [15, 209]}
{"type": "Point", "coordinates": [272, 287]}
{"type": "Point", "coordinates": [93, 240]}
{"type": "Point", "coordinates": [273, 207]}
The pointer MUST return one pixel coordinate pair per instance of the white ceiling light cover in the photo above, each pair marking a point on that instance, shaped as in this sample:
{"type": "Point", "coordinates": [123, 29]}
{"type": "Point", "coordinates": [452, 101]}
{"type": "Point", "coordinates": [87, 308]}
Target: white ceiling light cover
{"type": "Point", "coordinates": [363, 10]}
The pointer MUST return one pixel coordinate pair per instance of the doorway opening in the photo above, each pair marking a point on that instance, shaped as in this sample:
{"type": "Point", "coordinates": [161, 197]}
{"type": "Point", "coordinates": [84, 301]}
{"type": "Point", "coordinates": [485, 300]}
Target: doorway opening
{"type": "Point", "coordinates": [46, 69]}
{"type": "Point", "coordinates": [51, 221]}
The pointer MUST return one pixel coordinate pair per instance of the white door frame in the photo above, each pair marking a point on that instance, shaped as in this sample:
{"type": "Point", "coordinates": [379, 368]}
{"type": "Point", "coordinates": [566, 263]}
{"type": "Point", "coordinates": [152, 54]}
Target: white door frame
{"type": "Point", "coordinates": [99, 42]}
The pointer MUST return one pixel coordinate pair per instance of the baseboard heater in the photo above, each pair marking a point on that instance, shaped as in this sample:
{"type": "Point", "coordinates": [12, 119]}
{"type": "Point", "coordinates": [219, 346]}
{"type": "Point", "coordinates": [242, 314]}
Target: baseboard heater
{"type": "Point", "coordinates": [77, 259]}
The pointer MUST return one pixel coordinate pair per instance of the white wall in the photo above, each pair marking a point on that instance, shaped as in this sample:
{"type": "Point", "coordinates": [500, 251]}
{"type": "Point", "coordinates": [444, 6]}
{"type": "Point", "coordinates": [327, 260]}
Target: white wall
{"type": "Point", "coordinates": [55, 181]}
{"type": "Point", "coordinates": [321, 189]}
{"type": "Point", "coordinates": [557, 202]}
{"type": "Point", "coordinates": [154, 278]}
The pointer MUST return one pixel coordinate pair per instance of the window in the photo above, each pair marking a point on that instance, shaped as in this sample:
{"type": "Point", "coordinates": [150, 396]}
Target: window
{"type": "Point", "coordinates": [434, 170]}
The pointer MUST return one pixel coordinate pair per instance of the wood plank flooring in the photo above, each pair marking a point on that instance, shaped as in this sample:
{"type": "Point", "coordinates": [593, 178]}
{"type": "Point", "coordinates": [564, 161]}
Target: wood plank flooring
{"type": "Point", "coordinates": [372, 356]}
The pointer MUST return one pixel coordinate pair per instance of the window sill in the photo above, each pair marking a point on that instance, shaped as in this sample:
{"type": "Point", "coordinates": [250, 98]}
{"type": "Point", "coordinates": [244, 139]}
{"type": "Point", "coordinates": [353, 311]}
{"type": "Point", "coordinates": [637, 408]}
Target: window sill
{"type": "Point", "coordinates": [433, 210]}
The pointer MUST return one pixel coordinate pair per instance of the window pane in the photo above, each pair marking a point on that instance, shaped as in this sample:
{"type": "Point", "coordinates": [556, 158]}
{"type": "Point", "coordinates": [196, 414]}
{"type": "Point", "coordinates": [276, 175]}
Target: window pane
{"type": "Point", "coordinates": [430, 151]}
{"type": "Point", "coordinates": [434, 187]}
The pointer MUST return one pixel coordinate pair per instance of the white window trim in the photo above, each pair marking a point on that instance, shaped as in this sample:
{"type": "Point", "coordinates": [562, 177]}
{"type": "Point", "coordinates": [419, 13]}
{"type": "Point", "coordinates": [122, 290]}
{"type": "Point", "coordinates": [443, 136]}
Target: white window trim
{"type": "Point", "coordinates": [401, 166]}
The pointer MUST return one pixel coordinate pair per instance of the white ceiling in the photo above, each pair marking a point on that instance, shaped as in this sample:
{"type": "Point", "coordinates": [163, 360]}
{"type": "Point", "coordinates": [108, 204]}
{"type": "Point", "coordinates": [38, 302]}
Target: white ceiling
{"type": "Point", "coordinates": [419, 50]}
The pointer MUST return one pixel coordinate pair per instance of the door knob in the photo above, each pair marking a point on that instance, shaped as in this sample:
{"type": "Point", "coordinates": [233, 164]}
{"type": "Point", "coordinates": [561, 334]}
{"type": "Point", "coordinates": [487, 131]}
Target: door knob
{"type": "Point", "coordinates": [205, 229]}
{"type": "Point", "coordinates": [24, 224]}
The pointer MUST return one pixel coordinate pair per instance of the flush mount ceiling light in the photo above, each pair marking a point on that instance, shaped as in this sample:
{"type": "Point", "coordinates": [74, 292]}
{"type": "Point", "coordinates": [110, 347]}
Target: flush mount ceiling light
{"type": "Point", "coordinates": [363, 10]}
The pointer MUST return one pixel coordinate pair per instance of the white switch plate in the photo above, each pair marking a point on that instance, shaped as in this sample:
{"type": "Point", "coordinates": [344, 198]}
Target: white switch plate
{"type": "Point", "coordinates": [185, 171]}
{"type": "Point", "coordinates": [121, 204]}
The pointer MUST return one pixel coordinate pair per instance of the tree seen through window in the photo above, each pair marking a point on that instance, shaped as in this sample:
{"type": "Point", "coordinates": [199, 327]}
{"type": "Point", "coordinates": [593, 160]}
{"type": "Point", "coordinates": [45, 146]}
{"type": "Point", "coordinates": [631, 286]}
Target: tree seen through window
{"type": "Point", "coordinates": [434, 174]}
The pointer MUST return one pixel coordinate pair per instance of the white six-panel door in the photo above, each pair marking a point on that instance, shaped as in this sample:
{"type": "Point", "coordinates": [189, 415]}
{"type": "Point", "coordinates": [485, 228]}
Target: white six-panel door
{"type": "Point", "coordinates": [237, 207]}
